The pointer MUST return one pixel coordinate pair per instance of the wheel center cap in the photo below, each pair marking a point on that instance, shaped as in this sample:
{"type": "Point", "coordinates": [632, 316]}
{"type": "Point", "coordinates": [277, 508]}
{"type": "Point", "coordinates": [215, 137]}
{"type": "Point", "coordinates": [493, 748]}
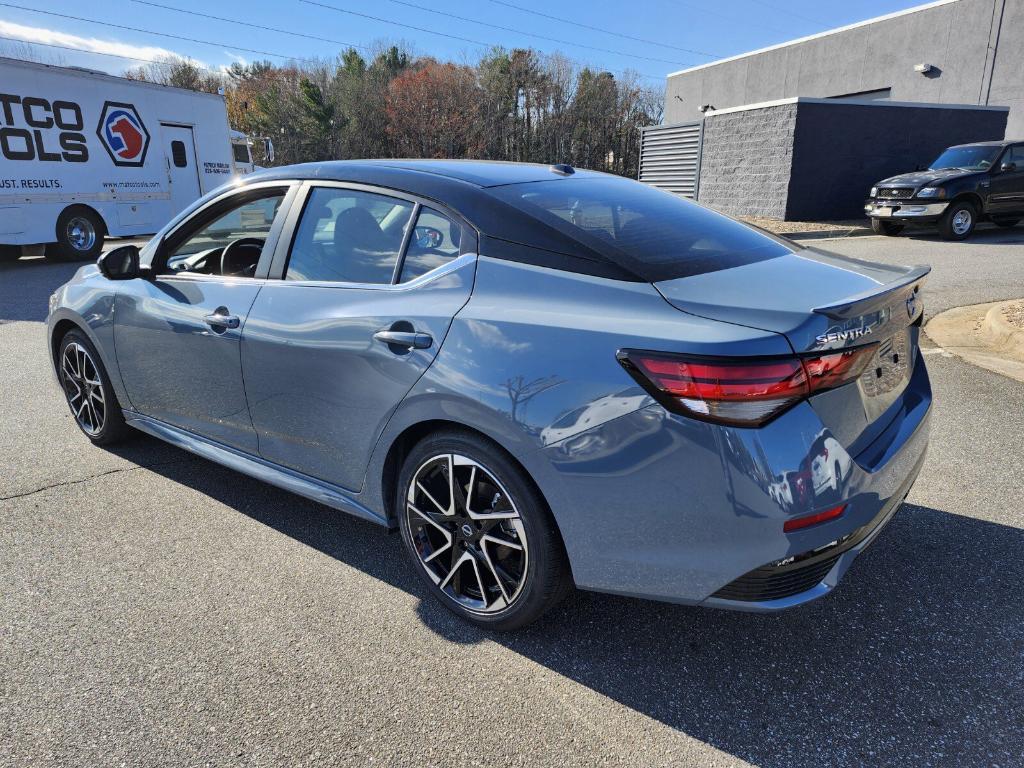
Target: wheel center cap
{"type": "Point", "coordinates": [467, 530]}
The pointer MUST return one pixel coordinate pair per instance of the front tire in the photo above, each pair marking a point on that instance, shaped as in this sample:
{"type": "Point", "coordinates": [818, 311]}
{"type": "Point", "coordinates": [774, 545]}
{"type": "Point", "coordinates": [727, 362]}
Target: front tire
{"type": "Point", "coordinates": [80, 235]}
{"type": "Point", "coordinates": [887, 228]}
{"type": "Point", "coordinates": [957, 223]}
{"type": "Point", "coordinates": [479, 533]}
{"type": "Point", "coordinates": [88, 392]}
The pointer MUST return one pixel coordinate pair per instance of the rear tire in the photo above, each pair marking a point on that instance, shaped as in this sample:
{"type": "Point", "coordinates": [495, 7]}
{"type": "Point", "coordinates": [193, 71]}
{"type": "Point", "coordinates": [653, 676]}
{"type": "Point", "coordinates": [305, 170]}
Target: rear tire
{"type": "Point", "coordinates": [479, 533]}
{"type": "Point", "coordinates": [887, 228]}
{"type": "Point", "coordinates": [88, 392]}
{"type": "Point", "coordinates": [80, 235]}
{"type": "Point", "coordinates": [1006, 222]}
{"type": "Point", "coordinates": [957, 223]}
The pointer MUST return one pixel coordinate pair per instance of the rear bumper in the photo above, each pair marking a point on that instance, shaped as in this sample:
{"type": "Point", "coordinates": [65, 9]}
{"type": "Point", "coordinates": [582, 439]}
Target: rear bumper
{"type": "Point", "coordinates": [661, 507]}
{"type": "Point", "coordinates": [905, 212]}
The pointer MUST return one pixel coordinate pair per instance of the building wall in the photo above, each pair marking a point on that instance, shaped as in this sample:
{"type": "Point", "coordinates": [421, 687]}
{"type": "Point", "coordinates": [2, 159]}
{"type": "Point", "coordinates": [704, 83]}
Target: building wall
{"type": "Point", "coordinates": [816, 160]}
{"type": "Point", "coordinates": [746, 161]}
{"type": "Point", "coordinates": [977, 46]}
{"type": "Point", "coordinates": [842, 149]}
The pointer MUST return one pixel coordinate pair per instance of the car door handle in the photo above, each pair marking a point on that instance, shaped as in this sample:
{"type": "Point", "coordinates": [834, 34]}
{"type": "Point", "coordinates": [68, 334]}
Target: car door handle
{"type": "Point", "coordinates": [222, 320]}
{"type": "Point", "coordinates": [407, 339]}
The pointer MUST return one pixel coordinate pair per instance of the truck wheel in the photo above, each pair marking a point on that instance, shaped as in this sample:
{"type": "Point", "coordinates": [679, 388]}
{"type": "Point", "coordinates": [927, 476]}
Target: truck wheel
{"type": "Point", "coordinates": [1006, 222]}
{"type": "Point", "coordinates": [887, 228]}
{"type": "Point", "coordinates": [958, 221]}
{"type": "Point", "coordinates": [79, 236]}
{"type": "Point", "coordinates": [9, 253]}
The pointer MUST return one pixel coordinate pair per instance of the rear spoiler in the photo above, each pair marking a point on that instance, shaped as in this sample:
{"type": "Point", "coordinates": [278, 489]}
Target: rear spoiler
{"type": "Point", "coordinates": [872, 299]}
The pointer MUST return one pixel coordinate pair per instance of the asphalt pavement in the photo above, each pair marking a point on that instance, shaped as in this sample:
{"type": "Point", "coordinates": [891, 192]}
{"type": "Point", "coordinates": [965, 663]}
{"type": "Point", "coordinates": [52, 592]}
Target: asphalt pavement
{"type": "Point", "coordinates": [156, 609]}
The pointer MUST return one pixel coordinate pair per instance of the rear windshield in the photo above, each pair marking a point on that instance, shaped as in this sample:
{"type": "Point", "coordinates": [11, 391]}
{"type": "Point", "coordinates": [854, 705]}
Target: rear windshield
{"type": "Point", "coordinates": [655, 234]}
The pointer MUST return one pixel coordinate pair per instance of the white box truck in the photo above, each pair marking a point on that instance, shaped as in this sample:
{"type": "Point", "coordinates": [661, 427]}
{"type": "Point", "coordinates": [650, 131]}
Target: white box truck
{"type": "Point", "coordinates": [85, 155]}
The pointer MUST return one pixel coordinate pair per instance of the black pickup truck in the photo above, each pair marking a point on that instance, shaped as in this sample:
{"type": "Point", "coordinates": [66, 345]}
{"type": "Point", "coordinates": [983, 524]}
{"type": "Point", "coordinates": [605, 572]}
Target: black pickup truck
{"type": "Point", "coordinates": [968, 183]}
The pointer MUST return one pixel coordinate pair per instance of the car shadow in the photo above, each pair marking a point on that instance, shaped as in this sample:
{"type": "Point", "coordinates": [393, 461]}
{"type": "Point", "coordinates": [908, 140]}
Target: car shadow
{"type": "Point", "coordinates": [917, 657]}
{"type": "Point", "coordinates": [985, 234]}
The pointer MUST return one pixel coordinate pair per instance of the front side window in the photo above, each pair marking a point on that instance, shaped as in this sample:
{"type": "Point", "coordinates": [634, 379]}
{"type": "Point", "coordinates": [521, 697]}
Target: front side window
{"type": "Point", "coordinates": [349, 236]}
{"type": "Point", "coordinates": [1015, 155]}
{"type": "Point", "coordinates": [435, 241]}
{"type": "Point", "coordinates": [244, 227]}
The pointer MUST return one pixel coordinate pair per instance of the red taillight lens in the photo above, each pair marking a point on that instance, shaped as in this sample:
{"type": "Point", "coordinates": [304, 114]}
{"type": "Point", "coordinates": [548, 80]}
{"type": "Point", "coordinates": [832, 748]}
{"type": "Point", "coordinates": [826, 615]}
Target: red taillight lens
{"type": "Point", "coordinates": [806, 521]}
{"type": "Point", "coordinates": [740, 391]}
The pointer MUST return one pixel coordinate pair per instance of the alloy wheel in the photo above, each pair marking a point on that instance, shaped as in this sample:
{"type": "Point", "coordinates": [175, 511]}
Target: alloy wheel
{"type": "Point", "coordinates": [81, 233]}
{"type": "Point", "coordinates": [467, 533]}
{"type": "Point", "coordinates": [83, 388]}
{"type": "Point", "coordinates": [961, 223]}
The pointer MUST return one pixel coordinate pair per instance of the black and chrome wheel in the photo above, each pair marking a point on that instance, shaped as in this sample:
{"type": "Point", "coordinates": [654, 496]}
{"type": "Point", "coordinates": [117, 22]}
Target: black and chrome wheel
{"type": "Point", "coordinates": [958, 221]}
{"type": "Point", "coordinates": [479, 533]}
{"type": "Point", "coordinates": [79, 236]}
{"type": "Point", "coordinates": [87, 390]}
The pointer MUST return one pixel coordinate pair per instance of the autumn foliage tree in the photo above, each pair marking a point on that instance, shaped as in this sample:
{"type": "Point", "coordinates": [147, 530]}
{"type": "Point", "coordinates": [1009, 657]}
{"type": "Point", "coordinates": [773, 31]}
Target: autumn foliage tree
{"type": "Point", "coordinates": [432, 111]}
{"type": "Point", "coordinates": [510, 105]}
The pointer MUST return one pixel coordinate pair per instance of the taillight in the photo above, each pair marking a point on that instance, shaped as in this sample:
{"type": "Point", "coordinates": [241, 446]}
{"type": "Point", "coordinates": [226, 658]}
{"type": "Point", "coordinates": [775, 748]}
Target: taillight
{"type": "Point", "coordinates": [740, 391]}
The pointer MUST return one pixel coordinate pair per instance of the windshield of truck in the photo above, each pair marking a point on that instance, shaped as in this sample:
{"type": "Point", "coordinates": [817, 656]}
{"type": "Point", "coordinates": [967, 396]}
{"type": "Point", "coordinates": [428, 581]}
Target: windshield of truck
{"type": "Point", "coordinates": [968, 158]}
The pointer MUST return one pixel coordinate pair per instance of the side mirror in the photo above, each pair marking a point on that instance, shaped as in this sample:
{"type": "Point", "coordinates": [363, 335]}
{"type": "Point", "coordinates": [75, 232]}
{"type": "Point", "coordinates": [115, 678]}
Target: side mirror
{"type": "Point", "coordinates": [1007, 167]}
{"type": "Point", "coordinates": [120, 263]}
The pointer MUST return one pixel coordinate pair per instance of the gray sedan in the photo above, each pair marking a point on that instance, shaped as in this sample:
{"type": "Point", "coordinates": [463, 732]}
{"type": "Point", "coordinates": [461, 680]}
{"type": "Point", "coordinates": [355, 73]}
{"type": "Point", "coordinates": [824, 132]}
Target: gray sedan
{"type": "Point", "coordinates": [544, 377]}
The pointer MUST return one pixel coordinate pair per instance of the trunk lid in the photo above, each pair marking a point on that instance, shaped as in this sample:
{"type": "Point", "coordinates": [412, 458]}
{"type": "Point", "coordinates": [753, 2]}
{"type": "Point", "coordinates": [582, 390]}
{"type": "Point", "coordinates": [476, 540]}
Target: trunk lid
{"type": "Point", "coordinates": [823, 302]}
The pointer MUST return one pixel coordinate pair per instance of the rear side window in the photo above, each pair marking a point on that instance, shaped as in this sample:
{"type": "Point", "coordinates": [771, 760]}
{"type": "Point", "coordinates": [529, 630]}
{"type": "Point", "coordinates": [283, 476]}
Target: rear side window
{"type": "Point", "coordinates": [653, 233]}
{"type": "Point", "coordinates": [348, 236]}
{"type": "Point", "coordinates": [435, 241]}
{"type": "Point", "coordinates": [241, 153]}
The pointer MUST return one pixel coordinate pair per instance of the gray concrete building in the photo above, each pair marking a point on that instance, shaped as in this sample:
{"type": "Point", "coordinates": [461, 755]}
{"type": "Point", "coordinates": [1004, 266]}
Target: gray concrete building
{"type": "Point", "coordinates": [945, 52]}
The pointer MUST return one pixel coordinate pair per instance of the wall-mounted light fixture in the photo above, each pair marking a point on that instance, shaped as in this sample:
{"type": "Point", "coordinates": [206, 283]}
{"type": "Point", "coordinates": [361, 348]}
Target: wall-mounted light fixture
{"type": "Point", "coordinates": [923, 69]}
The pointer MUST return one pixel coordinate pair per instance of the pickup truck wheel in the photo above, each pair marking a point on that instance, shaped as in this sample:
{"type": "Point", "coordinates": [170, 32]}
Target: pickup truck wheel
{"type": "Point", "coordinates": [958, 221]}
{"type": "Point", "coordinates": [887, 228]}
{"type": "Point", "coordinates": [1006, 222]}
{"type": "Point", "coordinates": [79, 236]}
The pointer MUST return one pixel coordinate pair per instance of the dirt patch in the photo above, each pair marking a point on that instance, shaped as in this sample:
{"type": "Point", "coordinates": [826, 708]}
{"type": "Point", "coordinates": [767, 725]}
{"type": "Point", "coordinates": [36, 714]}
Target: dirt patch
{"type": "Point", "coordinates": [794, 227]}
{"type": "Point", "coordinates": [1014, 314]}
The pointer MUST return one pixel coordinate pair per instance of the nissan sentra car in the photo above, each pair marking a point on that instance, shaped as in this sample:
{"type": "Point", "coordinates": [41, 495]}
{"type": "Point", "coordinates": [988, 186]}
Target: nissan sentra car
{"type": "Point", "coordinates": [544, 377]}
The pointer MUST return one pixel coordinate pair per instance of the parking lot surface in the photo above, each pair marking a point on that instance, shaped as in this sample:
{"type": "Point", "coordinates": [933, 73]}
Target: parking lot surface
{"type": "Point", "coordinates": [157, 609]}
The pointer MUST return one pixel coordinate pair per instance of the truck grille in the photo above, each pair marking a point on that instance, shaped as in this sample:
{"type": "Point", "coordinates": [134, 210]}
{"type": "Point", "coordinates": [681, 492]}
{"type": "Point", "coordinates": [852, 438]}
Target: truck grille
{"type": "Point", "coordinates": [896, 193]}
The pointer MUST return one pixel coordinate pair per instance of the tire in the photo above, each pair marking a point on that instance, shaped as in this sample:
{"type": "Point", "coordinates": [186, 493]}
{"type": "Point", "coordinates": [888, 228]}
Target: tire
{"type": "Point", "coordinates": [1006, 222]}
{"type": "Point", "coordinates": [81, 373]}
{"type": "Point", "coordinates": [887, 228]}
{"type": "Point", "coordinates": [460, 558]}
{"type": "Point", "coordinates": [9, 253]}
{"type": "Point", "coordinates": [958, 222]}
{"type": "Point", "coordinates": [80, 235]}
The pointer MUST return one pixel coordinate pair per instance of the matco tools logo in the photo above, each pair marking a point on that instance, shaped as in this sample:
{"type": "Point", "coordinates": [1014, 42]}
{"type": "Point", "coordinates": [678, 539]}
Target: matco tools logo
{"type": "Point", "coordinates": [123, 134]}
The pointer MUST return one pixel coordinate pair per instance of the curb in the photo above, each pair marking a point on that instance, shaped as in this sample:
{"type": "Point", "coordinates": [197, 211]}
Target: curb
{"type": "Point", "coordinates": [980, 335]}
{"type": "Point", "coordinates": [1007, 338]}
{"type": "Point", "coordinates": [827, 234]}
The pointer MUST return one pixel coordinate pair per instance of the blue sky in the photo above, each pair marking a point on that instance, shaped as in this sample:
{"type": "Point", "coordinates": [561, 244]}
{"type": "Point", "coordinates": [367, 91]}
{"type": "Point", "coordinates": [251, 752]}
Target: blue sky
{"type": "Point", "coordinates": [650, 37]}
